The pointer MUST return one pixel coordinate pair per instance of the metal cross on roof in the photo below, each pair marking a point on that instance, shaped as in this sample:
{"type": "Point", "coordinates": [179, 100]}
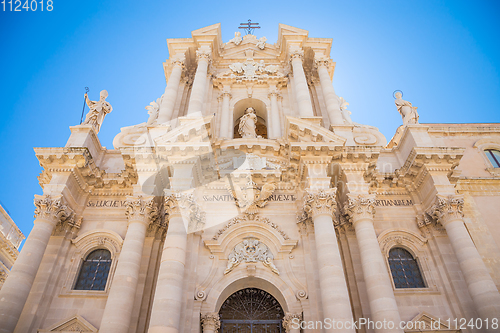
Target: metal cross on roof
{"type": "Point", "coordinates": [249, 27]}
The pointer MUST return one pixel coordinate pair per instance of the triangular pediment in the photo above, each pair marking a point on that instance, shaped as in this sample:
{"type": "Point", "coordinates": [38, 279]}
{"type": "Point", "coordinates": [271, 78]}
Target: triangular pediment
{"type": "Point", "coordinates": [211, 30]}
{"type": "Point", "coordinates": [75, 323]}
{"type": "Point", "coordinates": [424, 322]}
{"type": "Point", "coordinates": [239, 52]}
{"type": "Point", "coordinates": [288, 30]}
{"type": "Point", "coordinates": [304, 130]}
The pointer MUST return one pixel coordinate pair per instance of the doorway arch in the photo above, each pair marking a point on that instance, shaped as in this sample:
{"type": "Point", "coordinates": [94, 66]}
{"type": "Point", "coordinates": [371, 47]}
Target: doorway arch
{"type": "Point", "coordinates": [251, 310]}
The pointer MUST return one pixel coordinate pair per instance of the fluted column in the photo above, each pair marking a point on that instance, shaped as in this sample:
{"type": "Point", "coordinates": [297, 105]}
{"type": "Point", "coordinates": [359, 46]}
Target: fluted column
{"type": "Point", "coordinates": [275, 124]}
{"type": "Point", "coordinates": [170, 96]}
{"type": "Point", "coordinates": [449, 211]}
{"type": "Point", "coordinates": [226, 128]}
{"type": "Point", "coordinates": [321, 205]}
{"type": "Point", "coordinates": [49, 211]}
{"type": "Point", "coordinates": [383, 306]}
{"type": "Point", "coordinates": [210, 322]}
{"type": "Point", "coordinates": [118, 311]}
{"type": "Point", "coordinates": [332, 101]}
{"type": "Point", "coordinates": [166, 311]}
{"type": "Point", "coordinates": [302, 95]}
{"type": "Point", "coordinates": [200, 82]}
{"type": "Point", "coordinates": [291, 322]}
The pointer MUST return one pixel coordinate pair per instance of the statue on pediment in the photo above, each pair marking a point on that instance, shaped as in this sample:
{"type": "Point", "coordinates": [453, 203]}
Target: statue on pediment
{"type": "Point", "coordinates": [248, 124]}
{"type": "Point", "coordinates": [261, 44]}
{"type": "Point", "coordinates": [407, 111]}
{"type": "Point", "coordinates": [98, 110]}
{"type": "Point", "coordinates": [237, 38]}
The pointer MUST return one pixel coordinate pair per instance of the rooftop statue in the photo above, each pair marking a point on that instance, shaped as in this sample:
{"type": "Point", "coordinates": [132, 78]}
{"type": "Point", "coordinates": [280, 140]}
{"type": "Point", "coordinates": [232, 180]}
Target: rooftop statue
{"type": "Point", "coordinates": [346, 114]}
{"type": "Point", "coordinates": [407, 111]}
{"type": "Point", "coordinates": [98, 110]}
{"type": "Point", "coordinates": [248, 124]}
{"type": "Point", "coordinates": [237, 38]}
{"type": "Point", "coordinates": [261, 44]}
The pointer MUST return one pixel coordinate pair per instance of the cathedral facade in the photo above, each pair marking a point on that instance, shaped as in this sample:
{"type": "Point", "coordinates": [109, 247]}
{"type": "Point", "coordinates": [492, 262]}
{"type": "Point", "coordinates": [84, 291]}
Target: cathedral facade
{"type": "Point", "coordinates": [249, 201]}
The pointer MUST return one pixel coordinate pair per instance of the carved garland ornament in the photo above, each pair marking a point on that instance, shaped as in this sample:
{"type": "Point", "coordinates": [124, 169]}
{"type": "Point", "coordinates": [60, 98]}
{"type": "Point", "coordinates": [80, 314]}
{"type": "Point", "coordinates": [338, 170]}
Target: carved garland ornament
{"type": "Point", "coordinates": [251, 250]}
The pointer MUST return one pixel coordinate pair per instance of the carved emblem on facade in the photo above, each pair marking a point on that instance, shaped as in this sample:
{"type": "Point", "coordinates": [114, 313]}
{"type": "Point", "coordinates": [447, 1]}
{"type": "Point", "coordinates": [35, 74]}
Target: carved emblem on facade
{"type": "Point", "coordinates": [251, 250]}
{"type": "Point", "coordinates": [251, 69]}
{"type": "Point", "coordinates": [251, 197]}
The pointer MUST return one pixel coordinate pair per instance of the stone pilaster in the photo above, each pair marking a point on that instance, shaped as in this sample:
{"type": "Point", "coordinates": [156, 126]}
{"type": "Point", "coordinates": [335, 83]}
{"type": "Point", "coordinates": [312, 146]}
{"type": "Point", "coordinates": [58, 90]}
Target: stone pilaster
{"type": "Point", "coordinates": [275, 125]}
{"type": "Point", "coordinates": [170, 96]}
{"type": "Point", "coordinates": [50, 210]}
{"type": "Point", "coordinates": [302, 95]}
{"type": "Point", "coordinates": [200, 81]}
{"type": "Point", "coordinates": [291, 322]}
{"type": "Point", "coordinates": [226, 128]}
{"type": "Point", "coordinates": [321, 206]}
{"type": "Point", "coordinates": [210, 322]}
{"type": "Point", "coordinates": [383, 306]}
{"type": "Point", "coordinates": [449, 211]}
{"type": "Point", "coordinates": [117, 314]}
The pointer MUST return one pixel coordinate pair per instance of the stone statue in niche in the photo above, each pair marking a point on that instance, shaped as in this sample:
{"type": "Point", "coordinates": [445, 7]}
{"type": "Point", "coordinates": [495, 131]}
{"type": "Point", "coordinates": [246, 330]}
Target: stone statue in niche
{"type": "Point", "coordinates": [248, 124]}
{"type": "Point", "coordinates": [237, 38]}
{"type": "Point", "coordinates": [407, 111]}
{"type": "Point", "coordinates": [261, 44]}
{"type": "Point", "coordinates": [98, 110]}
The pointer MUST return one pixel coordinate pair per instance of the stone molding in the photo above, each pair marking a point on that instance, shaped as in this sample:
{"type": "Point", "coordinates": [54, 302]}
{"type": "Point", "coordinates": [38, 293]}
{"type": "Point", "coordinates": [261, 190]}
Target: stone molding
{"type": "Point", "coordinates": [447, 208]}
{"type": "Point", "coordinates": [141, 208]}
{"type": "Point", "coordinates": [241, 219]}
{"type": "Point", "coordinates": [320, 202]}
{"type": "Point", "coordinates": [359, 207]}
{"type": "Point", "coordinates": [210, 321]}
{"type": "Point", "coordinates": [288, 320]}
{"type": "Point", "coordinates": [250, 250]}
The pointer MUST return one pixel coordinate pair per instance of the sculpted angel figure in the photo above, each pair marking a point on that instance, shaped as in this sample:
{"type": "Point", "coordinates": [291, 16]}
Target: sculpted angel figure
{"type": "Point", "coordinates": [407, 111]}
{"type": "Point", "coordinates": [237, 38]}
{"type": "Point", "coordinates": [261, 44]}
{"type": "Point", "coordinates": [98, 110]}
{"type": "Point", "coordinates": [248, 124]}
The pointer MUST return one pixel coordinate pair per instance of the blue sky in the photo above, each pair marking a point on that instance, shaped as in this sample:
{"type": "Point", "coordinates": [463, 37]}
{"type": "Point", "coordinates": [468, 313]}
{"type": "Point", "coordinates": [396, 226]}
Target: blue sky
{"type": "Point", "coordinates": [444, 56]}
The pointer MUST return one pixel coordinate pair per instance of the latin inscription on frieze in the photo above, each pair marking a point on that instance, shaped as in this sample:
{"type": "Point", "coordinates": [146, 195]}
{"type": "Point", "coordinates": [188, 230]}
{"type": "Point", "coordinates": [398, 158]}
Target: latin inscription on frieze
{"type": "Point", "coordinates": [106, 203]}
{"type": "Point", "coordinates": [393, 202]}
{"type": "Point", "coordinates": [227, 197]}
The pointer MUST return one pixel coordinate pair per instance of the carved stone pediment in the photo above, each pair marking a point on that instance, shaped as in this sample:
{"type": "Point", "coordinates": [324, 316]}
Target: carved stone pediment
{"type": "Point", "coordinates": [72, 324]}
{"type": "Point", "coordinates": [304, 131]}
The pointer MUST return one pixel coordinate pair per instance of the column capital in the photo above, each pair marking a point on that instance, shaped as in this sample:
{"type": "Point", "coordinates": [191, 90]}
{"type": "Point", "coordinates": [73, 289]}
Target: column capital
{"type": "Point", "coordinates": [203, 54]}
{"type": "Point", "coordinates": [53, 208]}
{"type": "Point", "coordinates": [447, 208]}
{"type": "Point", "coordinates": [210, 321]}
{"type": "Point", "coordinates": [296, 54]}
{"type": "Point", "coordinates": [225, 94]}
{"type": "Point", "coordinates": [178, 61]}
{"type": "Point", "coordinates": [320, 202]}
{"type": "Point", "coordinates": [288, 320]}
{"type": "Point", "coordinates": [141, 208]}
{"type": "Point", "coordinates": [184, 205]}
{"type": "Point", "coordinates": [359, 207]}
{"type": "Point", "coordinates": [322, 62]}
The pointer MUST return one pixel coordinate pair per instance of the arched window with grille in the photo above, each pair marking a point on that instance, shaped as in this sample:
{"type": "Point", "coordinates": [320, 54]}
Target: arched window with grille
{"type": "Point", "coordinates": [494, 157]}
{"type": "Point", "coordinates": [404, 269]}
{"type": "Point", "coordinates": [94, 271]}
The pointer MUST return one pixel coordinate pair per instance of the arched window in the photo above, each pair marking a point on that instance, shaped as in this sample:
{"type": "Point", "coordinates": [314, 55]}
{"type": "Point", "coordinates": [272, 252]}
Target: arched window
{"type": "Point", "coordinates": [404, 269]}
{"type": "Point", "coordinates": [493, 156]}
{"type": "Point", "coordinates": [94, 271]}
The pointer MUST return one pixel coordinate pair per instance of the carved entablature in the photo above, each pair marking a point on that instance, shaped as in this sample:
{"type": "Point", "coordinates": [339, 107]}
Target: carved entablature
{"type": "Point", "coordinates": [250, 250]}
{"type": "Point", "coordinates": [447, 208]}
{"type": "Point", "coordinates": [359, 207]}
{"type": "Point", "coordinates": [185, 206]}
{"type": "Point", "coordinates": [141, 208]}
{"type": "Point", "coordinates": [320, 202]}
{"type": "Point", "coordinates": [210, 321]}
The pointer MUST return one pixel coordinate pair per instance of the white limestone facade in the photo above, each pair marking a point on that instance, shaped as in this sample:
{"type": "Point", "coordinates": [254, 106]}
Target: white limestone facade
{"type": "Point", "coordinates": [186, 226]}
{"type": "Point", "coordinates": [10, 240]}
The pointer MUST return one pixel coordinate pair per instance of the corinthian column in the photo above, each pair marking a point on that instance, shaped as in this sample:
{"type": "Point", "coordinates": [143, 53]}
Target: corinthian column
{"type": "Point", "coordinates": [118, 312]}
{"type": "Point", "coordinates": [166, 311]}
{"type": "Point", "coordinates": [302, 95]}
{"type": "Point", "coordinates": [383, 306]}
{"type": "Point", "coordinates": [200, 82]}
{"type": "Point", "coordinates": [449, 211]}
{"type": "Point", "coordinates": [210, 322]}
{"type": "Point", "coordinates": [332, 101]}
{"type": "Point", "coordinates": [170, 95]}
{"type": "Point", "coordinates": [49, 211]}
{"type": "Point", "coordinates": [321, 205]}
{"type": "Point", "coordinates": [226, 128]}
{"type": "Point", "coordinates": [275, 125]}
{"type": "Point", "coordinates": [291, 322]}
